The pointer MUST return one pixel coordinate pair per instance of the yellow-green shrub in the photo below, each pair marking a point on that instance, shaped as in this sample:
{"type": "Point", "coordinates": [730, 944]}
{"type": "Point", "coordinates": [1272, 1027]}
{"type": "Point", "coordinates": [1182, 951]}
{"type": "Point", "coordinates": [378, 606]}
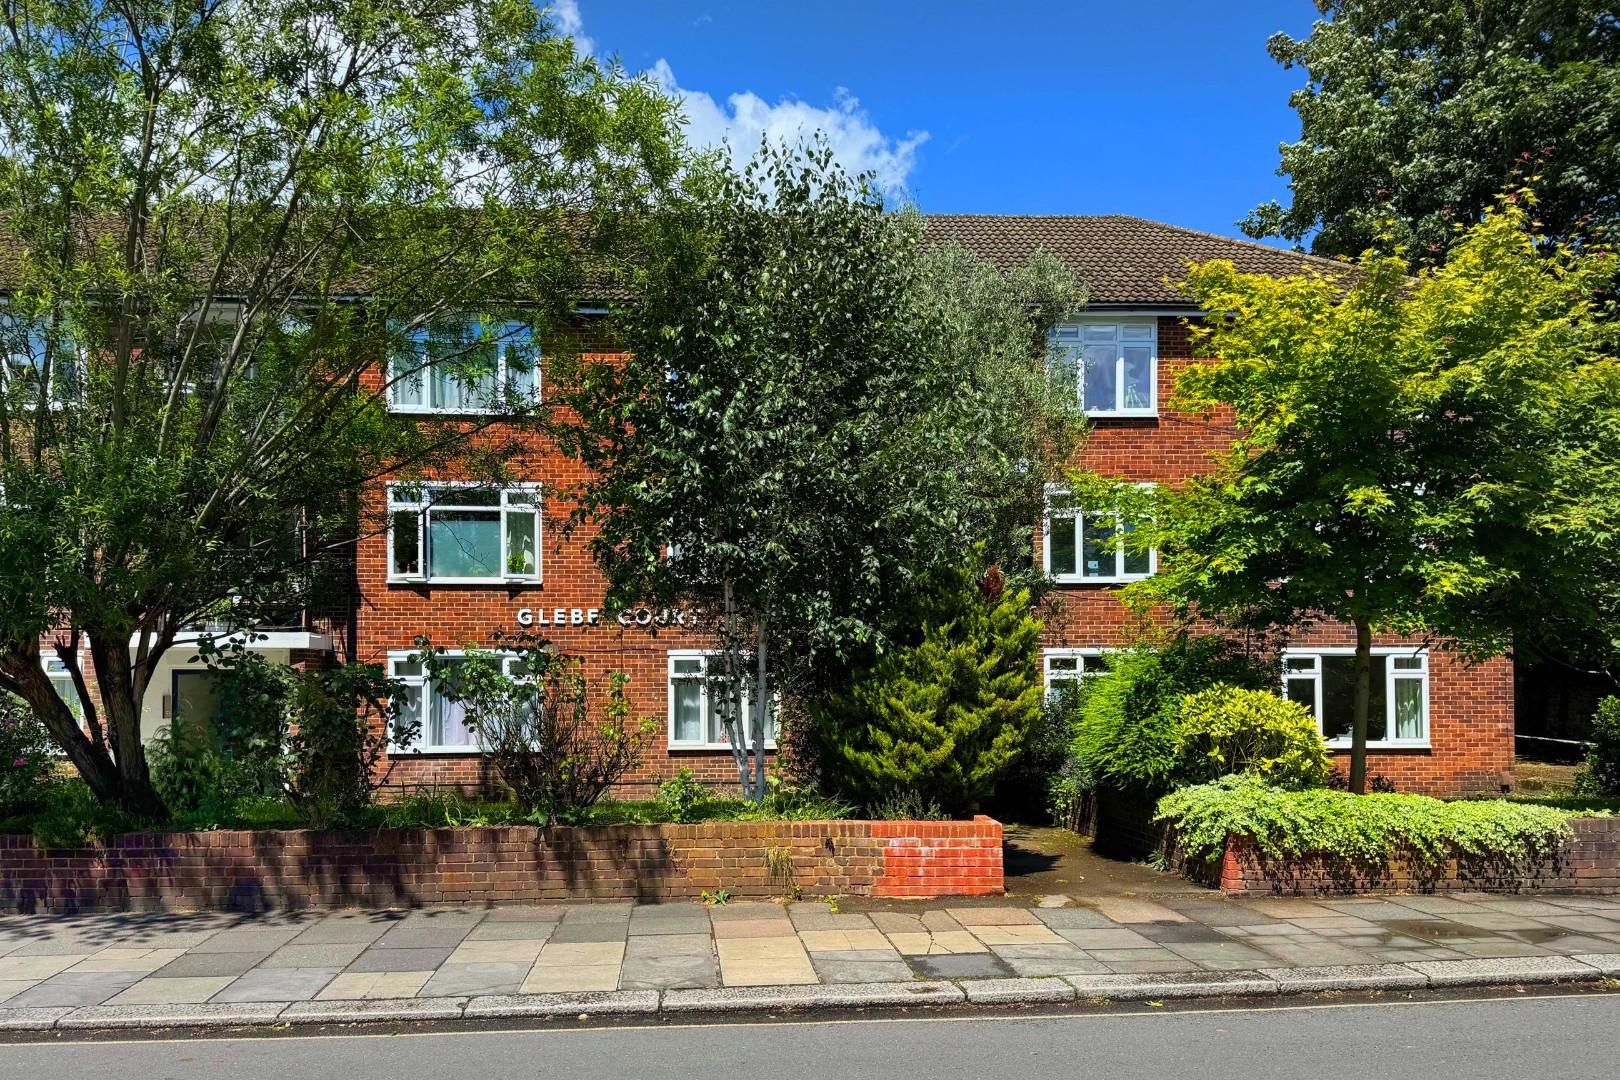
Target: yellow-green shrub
{"type": "Point", "coordinates": [1227, 729]}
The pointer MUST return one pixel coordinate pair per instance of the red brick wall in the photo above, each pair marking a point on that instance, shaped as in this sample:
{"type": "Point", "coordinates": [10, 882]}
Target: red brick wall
{"type": "Point", "coordinates": [392, 615]}
{"type": "Point", "coordinates": [255, 871]}
{"type": "Point", "coordinates": [1589, 863]}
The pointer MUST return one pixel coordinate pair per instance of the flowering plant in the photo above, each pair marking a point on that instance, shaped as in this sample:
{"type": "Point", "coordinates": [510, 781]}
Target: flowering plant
{"type": "Point", "coordinates": [26, 749]}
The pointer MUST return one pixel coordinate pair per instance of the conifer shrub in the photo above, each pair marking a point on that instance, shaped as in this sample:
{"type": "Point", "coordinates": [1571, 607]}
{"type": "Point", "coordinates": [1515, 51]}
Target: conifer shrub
{"type": "Point", "coordinates": [1599, 778]}
{"type": "Point", "coordinates": [940, 716]}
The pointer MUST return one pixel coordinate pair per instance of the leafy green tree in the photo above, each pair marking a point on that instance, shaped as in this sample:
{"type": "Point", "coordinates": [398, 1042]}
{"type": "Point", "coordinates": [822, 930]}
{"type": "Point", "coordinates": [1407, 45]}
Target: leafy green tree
{"type": "Point", "coordinates": [223, 220]}
{"type": "Point", "coordinates": [531, 710]}
{"type": "Point", "coordinates": [1438, 456]}
{"type": "Point", "coordinates": [816, 411]}
{"type": "Point", "coordinates": [1421, 111]}
{"type": "Point", "coordinates": [946, 710]}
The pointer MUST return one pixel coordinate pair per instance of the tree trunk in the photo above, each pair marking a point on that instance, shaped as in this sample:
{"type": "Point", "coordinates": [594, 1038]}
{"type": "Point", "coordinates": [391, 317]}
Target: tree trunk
{"type": "Point", "coordinates": [762, 702]}
{"type": "Point", "coordinates": [123, 685]}
{"type": "Point", "coordinates": [93, 764]}
{"type": "Point", "coordinates": [731, 703]}
{"type": "Point", "coordinates": [1358, 730]}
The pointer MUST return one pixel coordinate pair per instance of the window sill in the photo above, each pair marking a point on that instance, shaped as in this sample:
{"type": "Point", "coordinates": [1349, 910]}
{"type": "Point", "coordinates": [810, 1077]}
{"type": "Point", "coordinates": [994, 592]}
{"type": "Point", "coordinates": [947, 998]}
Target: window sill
{"type": "Point", "coordinates": [1075, 579]}
{"type": "Point", "coordinates": [709, 748]}
{"type": "Point", "coordinates": [488, 583]}
{"type": "Point", "coordinates": [1417, 744]}
{"type": "Point", "coordinates": [1123, 414]}
{"type": "Point", "coordinates": [423, 410]}
{"type": "Point", "coordinates": [435, 751]}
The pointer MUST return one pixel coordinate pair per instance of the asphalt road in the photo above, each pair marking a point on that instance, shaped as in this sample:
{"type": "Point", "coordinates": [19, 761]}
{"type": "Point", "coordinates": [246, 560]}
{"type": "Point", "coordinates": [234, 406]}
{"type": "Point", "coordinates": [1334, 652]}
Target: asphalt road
{"type": "Point", "coordinates": [1547, 1038]}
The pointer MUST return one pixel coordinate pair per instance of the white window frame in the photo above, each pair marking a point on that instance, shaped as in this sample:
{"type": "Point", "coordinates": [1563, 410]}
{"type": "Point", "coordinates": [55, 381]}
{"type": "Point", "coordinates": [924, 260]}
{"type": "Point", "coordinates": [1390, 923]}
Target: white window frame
{"type": "Point", "coordinates": [1080, 577]}
{"type": "Point", "coordinates": [509, 332]}
{"type": "Point", "coordinates": [399, 502]}
{"type": "Point", "coordinates": [1060, 338]}
{"type": "Point", "coordinates": [708, 717]}
{"type": "Point", "coordinates": [421, 687]}
{"type": "Point", "coordinates": [1391, 676]}
{"type": "Point", "coordinates": [1081, 656]}
{"type": "Point", "coordinates": [55, 398]}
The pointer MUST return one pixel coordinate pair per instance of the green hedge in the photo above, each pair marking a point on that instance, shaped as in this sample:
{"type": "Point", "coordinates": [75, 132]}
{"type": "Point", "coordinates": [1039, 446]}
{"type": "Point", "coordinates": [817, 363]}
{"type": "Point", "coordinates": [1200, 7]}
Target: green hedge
{"type": "Point", "coordinates": [1363, 828]}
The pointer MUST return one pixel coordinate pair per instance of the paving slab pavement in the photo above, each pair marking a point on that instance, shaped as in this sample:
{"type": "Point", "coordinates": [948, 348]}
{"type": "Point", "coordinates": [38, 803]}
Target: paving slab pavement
{"type": "Point", "coordinates": [212, 968]}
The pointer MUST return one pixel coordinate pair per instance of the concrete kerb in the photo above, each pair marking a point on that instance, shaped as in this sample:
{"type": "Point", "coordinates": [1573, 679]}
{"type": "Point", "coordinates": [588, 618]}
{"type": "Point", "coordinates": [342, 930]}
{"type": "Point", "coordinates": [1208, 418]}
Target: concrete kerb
{"type": "Point", "coordinates": [1017, 991]}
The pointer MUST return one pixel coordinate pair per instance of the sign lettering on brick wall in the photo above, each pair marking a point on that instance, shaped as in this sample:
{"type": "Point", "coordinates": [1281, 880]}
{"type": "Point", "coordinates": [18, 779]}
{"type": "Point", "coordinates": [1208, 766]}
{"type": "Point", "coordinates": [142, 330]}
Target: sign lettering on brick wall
{"type": "Point", "coordinates": [586, 618]}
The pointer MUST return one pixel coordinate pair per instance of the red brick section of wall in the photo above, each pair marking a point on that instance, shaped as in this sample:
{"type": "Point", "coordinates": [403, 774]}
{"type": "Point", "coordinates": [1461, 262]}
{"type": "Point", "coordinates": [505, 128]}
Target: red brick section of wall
{"type": "Point", "coordinates": [256, 871]}
{"type": "Point", "coordinates": [1589, 863]}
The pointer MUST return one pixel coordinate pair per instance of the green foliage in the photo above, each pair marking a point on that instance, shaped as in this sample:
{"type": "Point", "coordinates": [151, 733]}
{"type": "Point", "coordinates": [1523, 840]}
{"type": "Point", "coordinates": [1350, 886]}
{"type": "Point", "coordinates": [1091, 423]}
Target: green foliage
{"type": "Point", "coordinates": [1416, 112]}
{"type": "Point", "coordinates": [796, 804]}
{"type": "Point", "coordinates": [448, 808]}
{"type": "Point", "coordinates": [25, 761]}
{"type": "Point", "coordinates": [341, 722]}
{"type": "Point", "coordinates": [1022, 792]}
{"type": "Point", "coordinates": [196, 197]}
{"type": "Point", "coordinates": [907, 806]}
{"type": "Point", "coordinates": [682, 796]}
{"type": "Point", "coordinates": [1600, 777]}
{"type": "Point", "coordinates": [533, 716]}
{"type": "Point", "coordinates": [817, 410]}
{"type": "Point", "coordinates": [1426, 457]}
{"type": "Point", "coordinates": [1126, 737]}
{"type": "Point", "coordinates": [1226, 730]}
{"type": "Point", "coordinates": [944, 715]}
{"type": "Point", "coordinates": [70, 816]}
{"type": "Point", "coordinates": [1364, 828]}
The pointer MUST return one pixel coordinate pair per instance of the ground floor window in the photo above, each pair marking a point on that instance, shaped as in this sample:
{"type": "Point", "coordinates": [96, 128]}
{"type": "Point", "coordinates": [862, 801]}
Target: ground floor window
{"type": "Point", "coordinates": [1062, 668]}
{"type": "Point", "coordinates": [1324, 681]}
{"type": "Point", "coordinates": [695, 718]}
{"type": "Point", "coordinates": [443, 720]}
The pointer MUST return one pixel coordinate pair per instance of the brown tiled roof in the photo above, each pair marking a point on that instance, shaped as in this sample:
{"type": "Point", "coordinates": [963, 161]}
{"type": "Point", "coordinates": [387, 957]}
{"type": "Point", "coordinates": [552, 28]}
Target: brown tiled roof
{"type": "Point", "coordinates": [1120, 259]}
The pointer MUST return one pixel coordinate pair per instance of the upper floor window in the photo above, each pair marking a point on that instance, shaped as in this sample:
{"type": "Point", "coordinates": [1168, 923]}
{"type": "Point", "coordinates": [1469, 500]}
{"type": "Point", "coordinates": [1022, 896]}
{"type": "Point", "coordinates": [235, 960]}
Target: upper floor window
{"type": "Point", "coordinates": [696, 720]}
{"type": "Point", "coordinates": [1114, 366]}
{"type": "Point", "coordinates": [463, 533]}
{"type": "Point", "coordinates": [1324, 681]}
{"type": "Point", "coordinates": [24, 347]}
{"type": "Point", "coordinates": [465, 367]}
{"type": "Point", "coordinates": [1091, 547]}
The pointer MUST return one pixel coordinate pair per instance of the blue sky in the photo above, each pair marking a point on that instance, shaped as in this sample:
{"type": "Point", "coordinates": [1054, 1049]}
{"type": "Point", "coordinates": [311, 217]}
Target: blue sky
{"type": "Point", "coordinates": [1167, 110]}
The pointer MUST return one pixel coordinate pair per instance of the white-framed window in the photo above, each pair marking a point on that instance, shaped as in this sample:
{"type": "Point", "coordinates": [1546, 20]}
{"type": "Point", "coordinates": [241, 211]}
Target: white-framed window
{"type": "Point", "coordinates": [1060, 667]}
{"type": "Point", "coordinates": [22, 359]}
{"type": "Point", "coordinates": [1113, 366]}
{"type": "Point", "coordinates": [62, 682]}
{"type": "Point", "coordinates": [1085, 547]}
{"type": "Point", "coordinates": [443, 722]}
{"type": "Point", "coordinates": [694, 716]}
{"type": "Point", "coordinates": [459, 533]}
{"type": "Point", "coordinates": [1324, 681]}
{"type": "Point", "coordinates": [465, 367]}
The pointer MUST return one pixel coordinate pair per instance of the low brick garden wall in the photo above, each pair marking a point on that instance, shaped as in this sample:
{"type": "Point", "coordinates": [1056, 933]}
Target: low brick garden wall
{"type": "Point", "coordinates": [1588, 863]}
{"type": "Point", "coordinates": [259, 871]}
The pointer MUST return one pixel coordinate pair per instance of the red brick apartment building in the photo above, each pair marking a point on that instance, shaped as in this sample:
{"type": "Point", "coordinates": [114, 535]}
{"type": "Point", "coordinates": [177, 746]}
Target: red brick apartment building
{"type": "Point", "coordinates": [463, 562]}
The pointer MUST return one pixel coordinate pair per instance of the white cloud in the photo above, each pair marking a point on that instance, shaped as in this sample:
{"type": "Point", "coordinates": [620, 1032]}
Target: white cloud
{"type": "Point", "coordinates": [565, 15]}
{"type": "Point", "coordinates": [745, 118]}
